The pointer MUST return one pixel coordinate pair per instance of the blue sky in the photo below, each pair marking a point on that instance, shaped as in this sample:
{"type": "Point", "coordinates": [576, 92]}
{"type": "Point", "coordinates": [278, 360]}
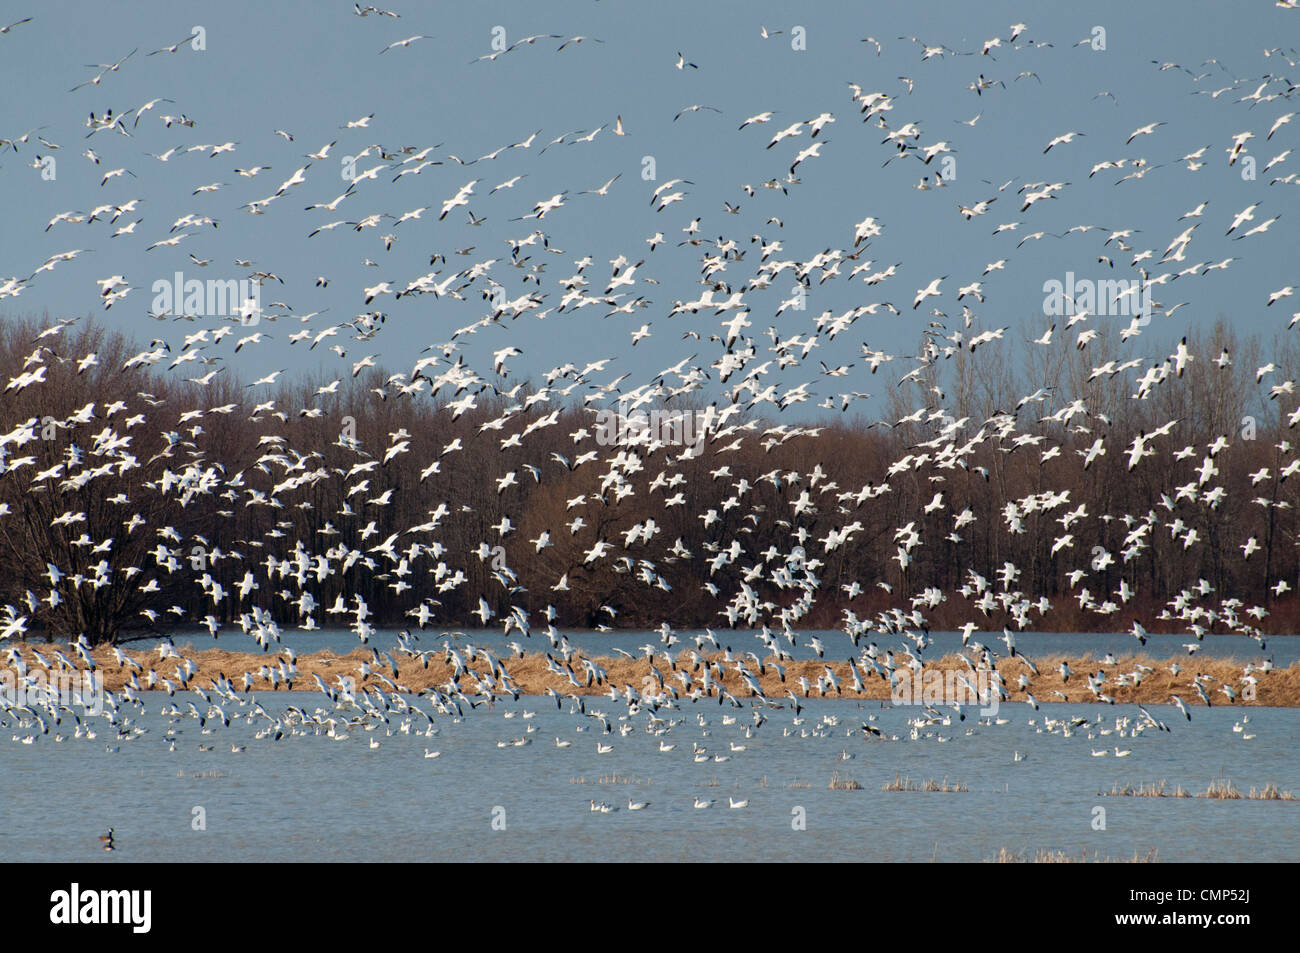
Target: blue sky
{"type": "Point", "coordinates": [309, 68]}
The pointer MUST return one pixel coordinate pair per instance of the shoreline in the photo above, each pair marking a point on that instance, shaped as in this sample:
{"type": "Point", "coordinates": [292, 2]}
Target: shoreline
{"type": "Point", "coordinates": [530, 675]}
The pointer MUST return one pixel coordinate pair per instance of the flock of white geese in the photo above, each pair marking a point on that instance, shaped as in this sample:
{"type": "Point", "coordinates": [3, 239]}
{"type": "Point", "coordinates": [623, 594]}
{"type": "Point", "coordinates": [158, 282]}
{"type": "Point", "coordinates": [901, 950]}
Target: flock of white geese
{"type": "Point", "coordinates": [739, 285]}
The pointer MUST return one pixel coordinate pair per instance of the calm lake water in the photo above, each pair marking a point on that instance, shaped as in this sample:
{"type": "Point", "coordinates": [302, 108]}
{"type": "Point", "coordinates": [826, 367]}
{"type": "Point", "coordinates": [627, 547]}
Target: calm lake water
{"type": "Point", "coordinates": [316, 798]}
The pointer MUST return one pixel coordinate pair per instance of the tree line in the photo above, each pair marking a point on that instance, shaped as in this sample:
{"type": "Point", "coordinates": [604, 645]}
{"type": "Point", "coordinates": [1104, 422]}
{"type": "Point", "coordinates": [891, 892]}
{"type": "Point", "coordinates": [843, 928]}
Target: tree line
{"type": "Point", "coordinates": [144, 506]}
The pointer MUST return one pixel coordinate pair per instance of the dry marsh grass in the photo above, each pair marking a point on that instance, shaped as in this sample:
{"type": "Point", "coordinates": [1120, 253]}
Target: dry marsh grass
{"type": "Point", "coordinates": [608, 779]}
{"type": "Point", "coordinates": [940, 787]}
{"type": "Point", "coordinates": [1147, 790]}
{"type": "Point", "coordinates": [1219, 790]}
{"type": "Point", "coordinates": [840, 783]}
{"type": "Point", "coordinates": [1280, 687]}
{"type": "Point", "coordinates": [1271, 792]}
{"type": "Point", "coordinates": [1041, 856]}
